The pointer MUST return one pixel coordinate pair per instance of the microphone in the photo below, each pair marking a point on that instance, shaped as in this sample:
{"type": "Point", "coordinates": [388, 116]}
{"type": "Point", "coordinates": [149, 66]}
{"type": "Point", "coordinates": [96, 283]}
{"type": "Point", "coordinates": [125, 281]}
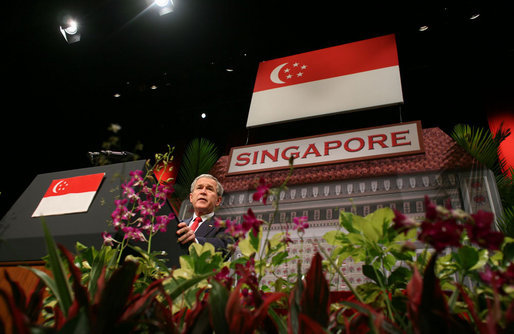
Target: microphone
{"type": "Point", "coordinates": [117, 153]}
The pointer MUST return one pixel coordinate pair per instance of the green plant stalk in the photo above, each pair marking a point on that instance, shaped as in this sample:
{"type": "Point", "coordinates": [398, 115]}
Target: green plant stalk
{"type": "Point", "coordinates": [334, 265]}
{"type": "Point", "coordinates": [384, 291]}
{"type": "Point", "coordinates": [149, 247]}
{"type": "Point", "coordinates": [120, 250]}
{"type": "Point", "coordinates": [455, 294]}
{"type": "Point", "coordinates": [264, 255]}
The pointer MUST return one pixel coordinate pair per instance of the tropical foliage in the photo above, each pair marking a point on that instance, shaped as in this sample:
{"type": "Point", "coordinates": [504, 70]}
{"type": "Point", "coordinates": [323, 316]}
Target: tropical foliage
{"type": "Point", "coordinates": [451, 271]}
{"type": "Point", "coordinates": [198, 158]}
{"type": "Point", "coordinates": [482, 145]}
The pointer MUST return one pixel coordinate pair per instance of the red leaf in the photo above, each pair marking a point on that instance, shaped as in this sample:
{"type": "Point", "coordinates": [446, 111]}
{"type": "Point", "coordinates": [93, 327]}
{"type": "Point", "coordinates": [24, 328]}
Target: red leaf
{"type": "Point", "coordinates": [307, 325]}
{"type": "Point", "coordinates": [18, 318]}
{"type": "Point", "coordinates": [100, 286]}
{"type": "Point", "coordinates": [241, 320]}
{"type": "Point", "coordinates": [234, 311]}
{"type": "Point", "coordinates": [139, 302]}
{"type": "Point", "coordinates": [16, 291]}
{"type": "Point", "coordinates": [58, 318]}
{"type": "Point", "coordinates": [414, 290]}
{"type": "Point", "coordinates": [471, 308]}
{"type": "Point", "coordinates": [35, 302]}
{"type": "Point", "coordinates": [315, 296]}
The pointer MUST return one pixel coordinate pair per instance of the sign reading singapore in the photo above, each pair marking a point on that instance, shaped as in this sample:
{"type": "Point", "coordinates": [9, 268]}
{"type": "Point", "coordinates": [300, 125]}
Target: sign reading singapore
{"type": "Point", "coordinates": [363, 144]}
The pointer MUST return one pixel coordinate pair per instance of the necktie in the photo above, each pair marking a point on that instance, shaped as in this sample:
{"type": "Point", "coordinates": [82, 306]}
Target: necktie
{"type": "Point", "coordinates": [194, 226]}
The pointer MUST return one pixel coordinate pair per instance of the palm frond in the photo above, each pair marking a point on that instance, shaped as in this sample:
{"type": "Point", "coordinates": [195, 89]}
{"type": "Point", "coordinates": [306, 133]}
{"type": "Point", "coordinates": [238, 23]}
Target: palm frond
{"type": "Point", "coordinates": [505, 222]}
{"type": "Point", "coordinates": [483, 146]}
{"type": "Point", "coordinates": [479, 143]}
{"type": "Point", "coordinates": [199, 157]}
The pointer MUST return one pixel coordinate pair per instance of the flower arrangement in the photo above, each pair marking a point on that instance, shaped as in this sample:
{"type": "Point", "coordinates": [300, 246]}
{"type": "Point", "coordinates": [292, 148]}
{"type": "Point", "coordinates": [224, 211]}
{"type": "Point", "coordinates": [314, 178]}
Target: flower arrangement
{"type": "Point", "coordinates": [449, 272]}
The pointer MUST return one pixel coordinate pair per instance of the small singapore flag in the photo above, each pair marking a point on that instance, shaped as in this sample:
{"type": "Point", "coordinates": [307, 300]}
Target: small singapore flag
{"type": "Point", "coordinates": [69, 195]}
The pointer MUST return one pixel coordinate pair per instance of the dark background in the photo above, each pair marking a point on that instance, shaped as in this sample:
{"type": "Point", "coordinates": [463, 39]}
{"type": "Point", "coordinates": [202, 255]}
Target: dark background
{"type": "Point", "coordinates": [59, 98]}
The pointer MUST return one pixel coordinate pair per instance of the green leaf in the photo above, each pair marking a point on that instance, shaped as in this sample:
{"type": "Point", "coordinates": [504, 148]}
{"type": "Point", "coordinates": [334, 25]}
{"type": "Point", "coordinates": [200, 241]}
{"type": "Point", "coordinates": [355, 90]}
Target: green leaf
{"type": "Point", "coordinates": [371, 293]}
{"type": "Point", "coordinates": [399, 277]}
{"type": "Point", "coordinates": [389, 261]}
{"type": "Point", "coordinates": [279, 321]}
{"type": "Point", "coordinates": [483, 257]}
{"type": "Point", "coordinates": [183, 285]}
{"type": "Point", "coordinates": [333, 237]}
{"type": "Point", "coordinates": [276, 242]}
{"type": "Point", "coordinates": [255, 240]}
{"type": "Point", "coordinates": [466, 257]}
{"type": "Point", "coordinates": [279, 258]}
{"type": "Point", "coordinates": [99, 262]}
{"type": "Point", "coordinates": [346, 221]}
{"type": "Point", "coordinates": [247, 248]}
{"type": "Point", "coordinates": [217, 304]}
{"type": "Point", "coordinates": [49, 281]}
{"type": "Point", "coordinates": [63, 291]}
{"type": "Point", "coordinates": [508, 253]}
{"type": "Point", "coordinates": [372, 224]}
{"type": "Point", "coordinates": [373, 274]}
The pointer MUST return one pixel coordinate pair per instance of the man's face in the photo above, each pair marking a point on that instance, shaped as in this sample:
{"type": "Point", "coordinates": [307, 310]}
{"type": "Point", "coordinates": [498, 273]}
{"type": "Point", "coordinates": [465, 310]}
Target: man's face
{"type": "Point", "coordinates": [204, 196]}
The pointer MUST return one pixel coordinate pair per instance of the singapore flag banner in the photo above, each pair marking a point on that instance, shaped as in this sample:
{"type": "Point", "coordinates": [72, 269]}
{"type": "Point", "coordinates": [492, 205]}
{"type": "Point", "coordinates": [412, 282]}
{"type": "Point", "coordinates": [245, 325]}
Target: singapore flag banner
{"type": "Point", "coordinates": [69, 195]}
{"type": "Point", "coordinates": [342, 78]}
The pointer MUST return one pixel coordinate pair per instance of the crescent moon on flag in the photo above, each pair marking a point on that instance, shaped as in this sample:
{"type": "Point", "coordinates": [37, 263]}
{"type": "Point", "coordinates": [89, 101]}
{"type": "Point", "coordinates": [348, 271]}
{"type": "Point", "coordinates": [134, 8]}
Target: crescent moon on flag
{"type": "Point", "coordinates": [274, 74]}
{"type": "Point", "coordinates": [56, 185]}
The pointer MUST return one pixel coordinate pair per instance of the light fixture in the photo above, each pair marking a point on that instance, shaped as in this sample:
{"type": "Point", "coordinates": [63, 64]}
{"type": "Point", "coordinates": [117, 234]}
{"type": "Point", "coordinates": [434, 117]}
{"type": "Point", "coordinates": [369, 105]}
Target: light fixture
{"type": "Point", "coordinates": [70, 31]}
{"type": "Point", "coordinates": [474, 16]}
{"type": "Point", "coordinates": [153, 87]}
{"type": "Point", "coordinates": [203, 115]}
{"type": "Point", "coordinates": [117, 95]}
{"type": "Point", "coordinates": [165, 6]}
{"type": "Point", "coordinates": [423, 28]}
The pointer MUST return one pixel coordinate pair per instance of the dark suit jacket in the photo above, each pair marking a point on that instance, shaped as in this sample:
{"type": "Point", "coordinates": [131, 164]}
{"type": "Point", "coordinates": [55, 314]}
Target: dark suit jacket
{"type": "Point", "coordinates": [208, 232]}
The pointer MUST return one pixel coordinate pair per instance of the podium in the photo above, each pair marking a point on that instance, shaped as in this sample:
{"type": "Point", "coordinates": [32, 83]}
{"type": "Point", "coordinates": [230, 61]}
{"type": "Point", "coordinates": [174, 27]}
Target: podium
{"type": "Point", "coordinates": [21, 235]}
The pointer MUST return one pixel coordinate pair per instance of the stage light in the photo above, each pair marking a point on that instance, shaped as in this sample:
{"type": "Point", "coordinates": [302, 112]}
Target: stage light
{"type": "Point", "coordinates": [165, 6]}
{"type": "Point", "coordinates": [70, 31]}
{"type": "Point", "coordinates": [162, 3]}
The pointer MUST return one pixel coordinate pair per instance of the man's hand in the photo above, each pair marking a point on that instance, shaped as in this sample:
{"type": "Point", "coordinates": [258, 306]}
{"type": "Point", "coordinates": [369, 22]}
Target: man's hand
{"type": "Point", "coordinates": [185, 234]}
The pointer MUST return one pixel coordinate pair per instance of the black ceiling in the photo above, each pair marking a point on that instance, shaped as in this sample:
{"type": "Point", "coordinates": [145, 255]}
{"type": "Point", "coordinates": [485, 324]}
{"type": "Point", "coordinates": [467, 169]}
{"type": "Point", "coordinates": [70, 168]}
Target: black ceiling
{"type": "Point", "coordinates": [59, 98]}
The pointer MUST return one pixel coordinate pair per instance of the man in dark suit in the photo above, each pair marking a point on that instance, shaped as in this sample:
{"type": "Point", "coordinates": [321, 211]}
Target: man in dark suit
{"type": "Point", "coordinates": [205, 196]}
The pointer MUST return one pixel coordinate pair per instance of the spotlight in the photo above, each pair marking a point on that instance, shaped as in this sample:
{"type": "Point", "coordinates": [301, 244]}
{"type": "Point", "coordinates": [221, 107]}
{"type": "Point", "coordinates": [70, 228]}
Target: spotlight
{"type": "Point", "coordinates": [70, 31]}
{"type": "Point", "coordinates": [165, 6]}
{"type": "Point", "coordinates": [203, 115]}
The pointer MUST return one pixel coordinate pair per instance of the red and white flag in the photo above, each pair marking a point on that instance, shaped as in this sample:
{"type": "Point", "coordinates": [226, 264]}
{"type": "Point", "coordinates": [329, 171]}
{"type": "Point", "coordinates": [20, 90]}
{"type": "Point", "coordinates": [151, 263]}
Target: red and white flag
{"type": "Point", "coordinates": [70, 195]}
{"type": "Point", "coordinates": [347, 77]}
